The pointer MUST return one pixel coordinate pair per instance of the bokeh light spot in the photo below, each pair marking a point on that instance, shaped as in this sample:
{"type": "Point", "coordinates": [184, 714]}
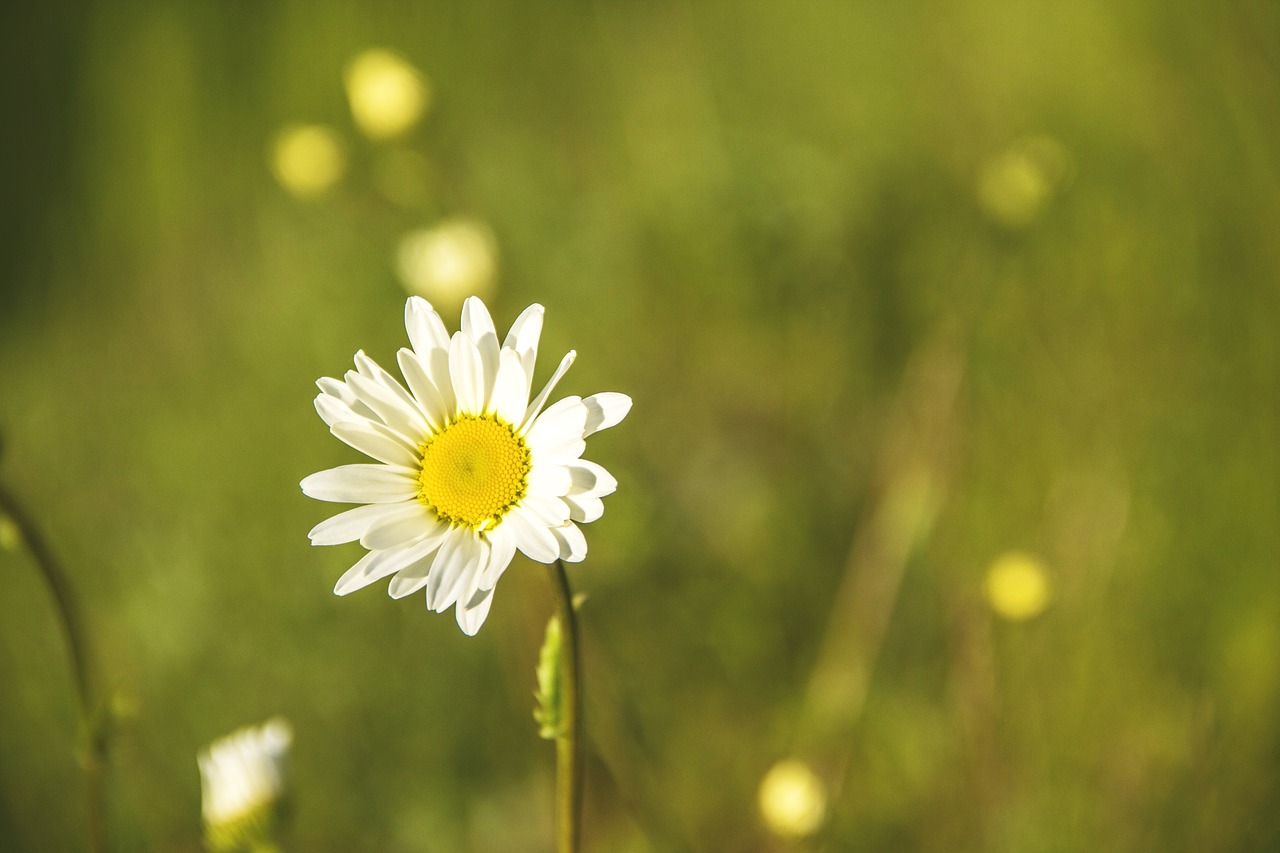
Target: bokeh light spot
{"type": "Point", "coordinates": [387, 94]}
{"type": "Point", "coordinates": [448, 262]}
{"type": "Point", "coordinates": [1015, 186]}
{"type": "Point", "coordinates": [308, 160]}
{"type": "Point", "coordinates": [1017, 586]}
{"type": "Point", "coordinates": [792, 799]}
{"type": "Point", "coordinates": [10, 535]}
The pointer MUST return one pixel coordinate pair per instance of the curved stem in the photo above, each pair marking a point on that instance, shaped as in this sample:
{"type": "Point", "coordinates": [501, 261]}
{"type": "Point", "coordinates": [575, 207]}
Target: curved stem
{"type": "Point", "coordinates": [94, 757]}
{"type": "Point", "coordinates": [568, 747]}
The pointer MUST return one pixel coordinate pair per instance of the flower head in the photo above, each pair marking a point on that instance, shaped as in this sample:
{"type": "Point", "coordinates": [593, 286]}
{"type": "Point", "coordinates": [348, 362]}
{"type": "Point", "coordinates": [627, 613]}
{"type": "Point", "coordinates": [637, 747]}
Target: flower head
{"type": "Point", "coordinates": [468, 469]}
{"type": "Point", "coordinates": [242, 780]}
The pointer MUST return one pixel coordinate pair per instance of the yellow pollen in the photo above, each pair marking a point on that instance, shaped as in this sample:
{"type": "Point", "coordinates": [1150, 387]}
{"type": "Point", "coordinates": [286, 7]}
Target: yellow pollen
{"type": "Point", "coordinates": [473, 471]}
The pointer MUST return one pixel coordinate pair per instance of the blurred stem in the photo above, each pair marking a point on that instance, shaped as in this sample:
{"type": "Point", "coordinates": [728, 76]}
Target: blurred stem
{"type": "Point", "coordinates": [568, 749]}
{"type": "Point", "coordinates": [95, 751]}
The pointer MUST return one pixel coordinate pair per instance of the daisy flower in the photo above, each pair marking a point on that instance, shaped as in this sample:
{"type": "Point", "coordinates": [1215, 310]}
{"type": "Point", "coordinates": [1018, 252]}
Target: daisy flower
{"type": "Point", "coordinates": [468, 469]}
{"type": "Point", "coordinates": [242, 781]}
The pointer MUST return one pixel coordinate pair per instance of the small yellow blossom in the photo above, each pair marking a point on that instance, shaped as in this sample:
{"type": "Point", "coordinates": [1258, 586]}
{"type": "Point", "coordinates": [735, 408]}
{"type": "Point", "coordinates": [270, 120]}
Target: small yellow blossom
{"type": "Point", "coordinates": [387, 95]}
{"type": "Point", "coordinates": [1015, 186]}
{"type": "Point", "coordinates": [308, 159]}
{"type": "Point", "coordinates": [1017, 586]}
{"type": "Point", "coordinates": [792, 800]}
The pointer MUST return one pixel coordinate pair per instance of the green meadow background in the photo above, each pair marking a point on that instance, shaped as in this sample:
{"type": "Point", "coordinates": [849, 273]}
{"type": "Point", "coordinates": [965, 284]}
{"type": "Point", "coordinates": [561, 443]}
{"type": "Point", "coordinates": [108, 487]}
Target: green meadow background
{"type": "Point", "coordinates": [897, 288]}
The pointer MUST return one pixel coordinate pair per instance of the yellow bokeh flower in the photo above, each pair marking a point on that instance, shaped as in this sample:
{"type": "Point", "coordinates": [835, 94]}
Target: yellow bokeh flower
{"type": "Point", "coordinates": [1015, 186]}
{"type": "Point", "coordinates": [792, 799]}
{"type": "Point", "coordinates": [1017, 586]}
{"type": "Point", "coordinates": [308, 159]}
{"type": "Point", "coordinates": [387, 94]}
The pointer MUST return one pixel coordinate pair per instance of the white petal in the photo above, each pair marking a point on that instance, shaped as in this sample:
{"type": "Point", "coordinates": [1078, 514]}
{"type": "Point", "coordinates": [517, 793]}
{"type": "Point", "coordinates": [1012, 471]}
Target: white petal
{"type": "Point", "coordinates": [532, 537]}
{"type": "Point", "coordinates": [338, 389]}
{"type": "Point", "coordinates": [467, 372]}
{"type": "Point", "coordinates": [551, 512]}
{"type": "Point", "coordinates": [332, 410]}
{"type": "Point", "coordinates": [392, 560]}
{"type": "Point", "coordinates": [605, 410]}
{"type": "Point", "coordinates": [469, 583]}
{"type": "Point", "coordinates": [461, 557]}
{"type": "Point", "coordinates": [573, 545]}
{"type": "Point", "coordinates": [426, 329]}
{"type": "Point", "coordinates": [584, 508]}
{"type": "Point", "coordinates": [411, 578]}
{"type": "Point", "coordinates": [398, 530]}
{"type": "Point", "coordinates": [436, 364]}
{"type": "Point", "coordinates": [591, 479]}
{"type": "Point", "coordinates": [556, 436]}
{"type": "Point", "coordinates": [350, 525]}
{"type": "Point", "coordinates": [430, 401]}
{"type": "Point", "coordinates": [363, 573]}
{"type": "Point", "coordinates": [550, 480]}
{"type": "Point", "coordinates": [523, 338]}
{"type": "Point", "coordinates": [511, 389]}
{"type": "Point", "coordinates": [379, 564]}
{"type": "Point", "coordinates": [478, 325]}
{"type": "Point", "coordinates": [541, 400]}
{"type": "Point", "coordinates": [472, 614]}
{"type": "Point", "coordinates": [402, 417]}
{"type": "Point", "coordinates": [362, 484]}
{"type": "Point", "coordinates": [366, 366]}
{"type": "Point", "coordinates": [376, 440]}
{"type": "Point", "coordinates": [502, 548]}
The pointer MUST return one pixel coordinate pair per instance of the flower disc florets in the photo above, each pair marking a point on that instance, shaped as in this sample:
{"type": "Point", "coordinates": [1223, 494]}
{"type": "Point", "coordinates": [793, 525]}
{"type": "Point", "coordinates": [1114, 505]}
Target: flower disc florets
{"type": "Point", "coordinates": [474, 471]}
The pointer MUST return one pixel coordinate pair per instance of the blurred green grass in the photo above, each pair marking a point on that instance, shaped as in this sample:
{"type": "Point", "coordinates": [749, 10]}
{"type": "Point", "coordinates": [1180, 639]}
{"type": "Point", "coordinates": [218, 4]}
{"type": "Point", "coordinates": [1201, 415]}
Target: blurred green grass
{"type": "Point", "coordinates": [762, 222]}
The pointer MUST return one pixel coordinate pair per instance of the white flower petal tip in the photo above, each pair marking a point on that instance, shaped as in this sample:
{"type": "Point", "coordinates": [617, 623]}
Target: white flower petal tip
{"type": "Point", "coordinates": [605, 410]}
{"type": "Point", "coordinates": [472, 615]}
{"type": "Point", "coordinates": [465, 467]}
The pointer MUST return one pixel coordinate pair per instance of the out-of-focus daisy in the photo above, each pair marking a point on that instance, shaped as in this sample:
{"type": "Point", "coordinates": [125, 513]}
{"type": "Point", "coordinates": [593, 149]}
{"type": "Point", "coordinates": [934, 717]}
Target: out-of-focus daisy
{"type": "Point", "coordinates": [242, 780]}
{"type": "Point", "coordinates": [468, 470]}
{"type": "Point", "coordinates": [448, 261]}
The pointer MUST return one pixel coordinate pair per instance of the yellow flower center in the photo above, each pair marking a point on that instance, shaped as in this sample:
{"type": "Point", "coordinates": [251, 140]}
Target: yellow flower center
{"type": "Point", "coordinates": [473, 471]}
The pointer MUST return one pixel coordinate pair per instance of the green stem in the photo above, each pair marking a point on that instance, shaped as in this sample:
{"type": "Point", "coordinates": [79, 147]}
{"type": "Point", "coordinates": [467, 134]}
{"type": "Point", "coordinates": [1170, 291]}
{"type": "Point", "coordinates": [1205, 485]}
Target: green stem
{"type": "Point", "coordinates": [568, 748]}
{"type": "Point", "coordinates": [94, 757]}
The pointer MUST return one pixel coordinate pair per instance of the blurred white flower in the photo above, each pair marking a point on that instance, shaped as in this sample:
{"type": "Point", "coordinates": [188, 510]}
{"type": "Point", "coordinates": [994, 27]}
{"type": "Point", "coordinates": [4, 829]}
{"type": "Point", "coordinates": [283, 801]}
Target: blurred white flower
{"type": "Point", "coordinates": [387, 94]}
{"type": "Point", "coordinates": [448, 261]}
{"type": "Point", "coordinates": [1017, 586]}
{"type": "Point", "coordinates": [792, 800]}
{"type": "Point", "coordinates": [468, 469]}
{"type": "Point", "coordinates": [242, 780]}
{"type": "Point", "coordinates": [308, 159]}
